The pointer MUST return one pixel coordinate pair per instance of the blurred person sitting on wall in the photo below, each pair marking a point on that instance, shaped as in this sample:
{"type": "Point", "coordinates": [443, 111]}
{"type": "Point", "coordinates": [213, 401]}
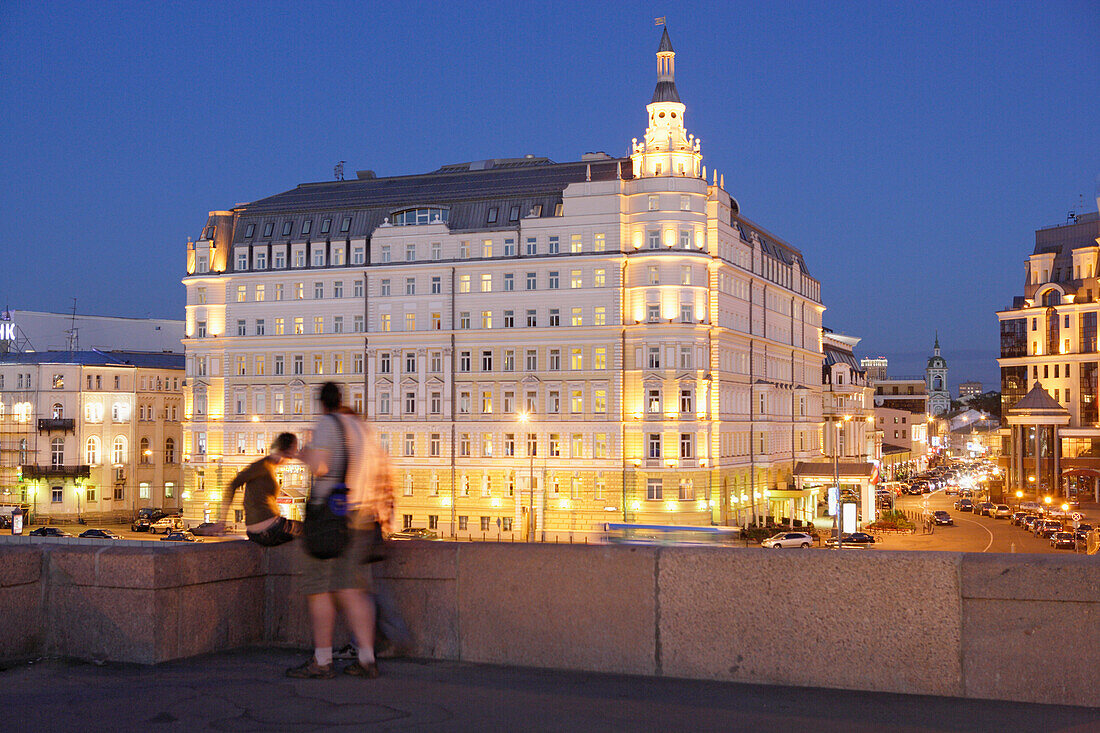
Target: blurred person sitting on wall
{"type": "Point", "coordinates": [343, 451]}
{"type": "Point", "coordinates": [263, 522]}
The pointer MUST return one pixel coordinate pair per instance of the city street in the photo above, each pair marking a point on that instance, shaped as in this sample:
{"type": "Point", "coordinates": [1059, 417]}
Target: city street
{"type": "Point", "coordinates": [970, 533]}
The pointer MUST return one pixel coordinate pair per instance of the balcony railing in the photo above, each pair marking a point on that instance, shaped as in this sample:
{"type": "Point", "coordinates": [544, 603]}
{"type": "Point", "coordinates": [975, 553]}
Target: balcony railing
{"type": "Point", "coordinates": [64, 424]}
{"type": "Point", "coordinates": [47, 472]}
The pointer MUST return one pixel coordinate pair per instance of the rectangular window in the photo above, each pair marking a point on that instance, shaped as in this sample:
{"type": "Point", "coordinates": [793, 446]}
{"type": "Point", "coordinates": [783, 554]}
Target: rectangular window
{"type": "Point", "coordinates": [437, 285]}
{"type": "Point", "coordinates": [491, 217]}
{"type": "Point", "coordinates": [599, 358]}
{"type": "Point", "coordinates": [576, 360]}
{"type": "Point", "coordinates": [532, 360]}
{"type": "Point", "coordinates": [384, 286]}
{"type": "Point", "coordinates": [434, 444]}
{"type": "Point", "coordinates": [553, 402]}
{"type": "Point", "coordinates": [531, 281]}
{"type": "Point", "coordinates": [357, 322]}
{"type": "Point", "coordinates": [410, 253]}
{"type": "Point", "coordinates": [410, 321]}
{"type": "Point", "coordinates": [685, 241]}
{"type": "Point", "coordinates": [463, 283]}
{"type": "Point", "coordinates": [436, 403]}
{"type": "Point", "coordinates": [318, 324]}
{"type": "Point", "coordinates": [410, 404]}
{"type": "Point", "coordinates": [653, 360]}
{"type": "Point", "coordinates": [599, 402]}
{"type": "Point", "coordinates": [437, 250]}
{"type": "Point", "coordinates": [653, 489]}
{"type": "Point", "coordinates": [575, 243]}
{"type": "Point", "coordinates": [653, 239]}
{"type": "Point", "coordinates": [653, 313]}
{"type": "Point", "coordinates": [487, 360]}
{"type": "Point", "coordinates": [555, 360]}
{"type": "Point", "coordinates": [686, 401]}
{"type": "Point", "coordinates": [241, 327]}
{"type": "Point", "coordinates": [532, 318]}
{"type": "Point", "coordinates": [410, 286]}
{"type": "Point", "coordinates": [337, 324]}
{"type": "Point", "coordinates": [554, 246]}
{"type": "Point", "coordinates": [555, 317]}
{"type": "Point", "coordinates": [575, 317]}
{"type": "Point", "coordinates": [653, 443]}
{"type": "Point", "coordinates": [555, 445]}
{"type": "Point", "coordinates": [509, 319]}
{"type": "Point", "coordinates": [532, 246]}
{"type": "Point", "coordinates": [687, 446]}
{"type": "Point", "coordinates": [279, 364]}
{"type": "Point", "coordinates": [600, 316]}
{"type": "Point", "coordinates": [510, 244]}
{"type": "Point", "coordinates": [553, 280]}
{"type": "Point", "coordinates": [576, 401]}
{"type": "Point", "coordinates": [464, 361]}
{"type": "Point", "coordinates": [487, 248]}
{"type": "Point", "coordinates": [486, 283]}
{"type": "Point", "coordinates": [464, 319]}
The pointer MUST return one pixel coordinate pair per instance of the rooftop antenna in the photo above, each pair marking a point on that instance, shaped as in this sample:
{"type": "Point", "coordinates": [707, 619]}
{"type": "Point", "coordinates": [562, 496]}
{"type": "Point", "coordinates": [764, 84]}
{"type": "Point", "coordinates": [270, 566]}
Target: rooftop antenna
{"type": "Point", "coordinates": [338, 171]}
{"type": "Point", "coordinates": [74, 341]}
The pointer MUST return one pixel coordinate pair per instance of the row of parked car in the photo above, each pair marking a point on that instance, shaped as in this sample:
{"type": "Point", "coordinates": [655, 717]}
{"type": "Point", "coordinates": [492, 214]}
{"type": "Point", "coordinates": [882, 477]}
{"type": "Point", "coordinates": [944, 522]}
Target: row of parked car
{"type": "Point", "coordinates": [106, 534]}
{"type": "Point", "coordinates": [1053, 529]}
{"type": "Point", "coordinates": [804, 540]}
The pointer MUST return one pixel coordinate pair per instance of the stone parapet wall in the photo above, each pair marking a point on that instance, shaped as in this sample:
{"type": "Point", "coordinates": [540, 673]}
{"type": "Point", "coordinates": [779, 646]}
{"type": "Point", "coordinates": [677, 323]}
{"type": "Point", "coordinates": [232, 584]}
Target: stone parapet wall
{"type": "Point", "coordinates": [970, 625]}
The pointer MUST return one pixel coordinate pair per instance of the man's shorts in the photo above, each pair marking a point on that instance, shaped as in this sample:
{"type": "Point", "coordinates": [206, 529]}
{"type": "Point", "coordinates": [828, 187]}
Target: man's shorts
{"type": "Point", "coordinates": [347, 571]}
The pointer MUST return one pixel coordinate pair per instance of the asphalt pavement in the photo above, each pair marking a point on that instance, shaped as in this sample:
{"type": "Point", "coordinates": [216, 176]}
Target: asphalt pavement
{"type": "Point", "coordinates": [970, 533]}
{"type": "Point", "coordinates": [246, 690]}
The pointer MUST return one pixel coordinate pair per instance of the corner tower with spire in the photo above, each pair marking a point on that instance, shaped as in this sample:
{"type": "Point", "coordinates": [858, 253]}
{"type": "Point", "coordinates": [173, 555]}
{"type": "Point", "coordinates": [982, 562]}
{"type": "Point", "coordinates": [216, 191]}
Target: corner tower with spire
{"type": "Point", "coordinates": [667, 149]}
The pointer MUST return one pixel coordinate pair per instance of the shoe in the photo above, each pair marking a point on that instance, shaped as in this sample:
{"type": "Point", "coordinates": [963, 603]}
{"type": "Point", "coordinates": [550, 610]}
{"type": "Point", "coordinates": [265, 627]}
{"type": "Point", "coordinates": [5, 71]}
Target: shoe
{"type": "Point", "coordinates": [355, 669]}
{"type": "Point", "coordinates": [347, 652]}
{"type": "Point", "coordinates": [312, 671]}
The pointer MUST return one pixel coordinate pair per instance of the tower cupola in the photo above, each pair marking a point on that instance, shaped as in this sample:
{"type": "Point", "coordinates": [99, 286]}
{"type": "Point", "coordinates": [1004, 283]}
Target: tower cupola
{"type": "Point", "coordinates": [667, 149]}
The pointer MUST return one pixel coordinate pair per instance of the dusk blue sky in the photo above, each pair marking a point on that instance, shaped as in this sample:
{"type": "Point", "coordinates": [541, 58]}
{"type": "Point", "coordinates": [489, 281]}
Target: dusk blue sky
{"type": "Point", "coordinates": [909, 150]}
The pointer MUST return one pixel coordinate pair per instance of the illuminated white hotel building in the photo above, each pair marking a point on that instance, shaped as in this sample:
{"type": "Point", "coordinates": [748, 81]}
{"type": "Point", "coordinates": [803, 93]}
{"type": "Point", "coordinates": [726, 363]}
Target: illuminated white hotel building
{"type": "Point", "coordinates": [604, 340]}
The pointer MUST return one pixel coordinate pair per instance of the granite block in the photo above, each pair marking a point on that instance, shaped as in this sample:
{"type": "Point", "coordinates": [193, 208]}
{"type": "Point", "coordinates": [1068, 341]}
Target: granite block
{"type": "Point", "coordinates": [1018, 577]}
{"type": "Point", "coordinates": [20, 564]}
{"type": "Point", "coordinates": [560, 606]}
{"type": "Point", "coordinates": [1032, 651]}
{"type": "Point", "coordinates": [854, 619]}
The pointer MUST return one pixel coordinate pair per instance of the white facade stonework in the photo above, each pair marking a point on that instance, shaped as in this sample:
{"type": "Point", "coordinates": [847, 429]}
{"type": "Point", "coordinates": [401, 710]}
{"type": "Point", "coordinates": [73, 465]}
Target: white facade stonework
{"type": "Point", "coordinates": [596, 341]}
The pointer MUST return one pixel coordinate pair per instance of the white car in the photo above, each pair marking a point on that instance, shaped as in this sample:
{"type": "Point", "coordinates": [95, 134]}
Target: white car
{"type": "Point", "coordinates": [788, 539]}
{"type": "Point", "coordinates": [164, 525]}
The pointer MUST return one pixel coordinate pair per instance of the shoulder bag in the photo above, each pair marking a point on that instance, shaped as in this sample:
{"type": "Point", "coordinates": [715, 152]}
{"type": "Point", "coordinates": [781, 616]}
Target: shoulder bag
{"type": "Point", "coordinates": [325, 530]}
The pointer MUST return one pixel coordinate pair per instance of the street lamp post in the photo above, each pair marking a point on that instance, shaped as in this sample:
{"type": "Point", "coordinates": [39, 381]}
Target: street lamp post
{"type": "Point", "coordinates": [836, 477]}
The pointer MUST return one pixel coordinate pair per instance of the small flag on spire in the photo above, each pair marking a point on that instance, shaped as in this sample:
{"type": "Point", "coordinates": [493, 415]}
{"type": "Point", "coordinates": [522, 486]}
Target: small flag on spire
{"type": "Point", "coordinates": [659, 21]}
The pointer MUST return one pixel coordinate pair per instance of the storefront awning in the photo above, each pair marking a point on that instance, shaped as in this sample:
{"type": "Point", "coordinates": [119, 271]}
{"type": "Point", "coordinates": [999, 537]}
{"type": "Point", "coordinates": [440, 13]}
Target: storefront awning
{"type": "Point", "coordinates": [1081, 472]}
{"type": "Point", "coordinates": [291, 496]}
{"type": "Point", "coordinates": [826, 470]}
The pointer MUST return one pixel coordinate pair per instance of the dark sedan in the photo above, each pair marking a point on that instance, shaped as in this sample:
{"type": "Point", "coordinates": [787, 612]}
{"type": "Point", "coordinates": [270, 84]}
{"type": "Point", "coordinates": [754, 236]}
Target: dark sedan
{"type": "Point", "coordinates": [852, 539]}
{"type": "Point", "coordinates": [141, 524]}
{"type": "Point", "coordinates": [49, 532]}
{"type": "Point", "coordinates": [99, 534]}
{"type": "Point", "coordinates": [964, 505]}
{"type": "Point", "coordinates": [942, 517]}
{"type": "Point", "coordinates": [1082, 532]}
{"type": "Point", "coordinates": [180, 536]}
{"type": "Point", "coordinates": [1062, 541]}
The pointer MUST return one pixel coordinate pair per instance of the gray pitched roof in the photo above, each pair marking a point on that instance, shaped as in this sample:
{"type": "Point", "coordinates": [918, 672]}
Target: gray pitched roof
{"type": "Point", "coordinates": [666, 42]}
{"type": "Point", "coordinates": [95, 357]}
{"type": "Point", "coordinates": [1038, 401]}
{"type": "Point", "coordinates": [665, 92]}
{"type": "Point", "coordinates": [468, 190]}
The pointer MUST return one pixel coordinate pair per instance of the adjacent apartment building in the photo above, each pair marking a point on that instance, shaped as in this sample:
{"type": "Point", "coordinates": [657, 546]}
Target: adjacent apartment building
{"type": "Point", "coordinates": [1049, 365]}
{"type": "Point", "coordinates": [542, 347]}
{"type": "Point", "coordinates": [92, 434]}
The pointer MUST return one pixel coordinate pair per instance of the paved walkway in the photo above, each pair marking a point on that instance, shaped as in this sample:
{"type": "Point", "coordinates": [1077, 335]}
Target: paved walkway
{"type": "Point", "coordinates": [246, 691]}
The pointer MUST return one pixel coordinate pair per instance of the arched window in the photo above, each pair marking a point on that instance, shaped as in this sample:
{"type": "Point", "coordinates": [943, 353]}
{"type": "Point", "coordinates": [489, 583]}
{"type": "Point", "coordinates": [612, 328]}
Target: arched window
{"type": "Point", "coordinates": [58, 411]}
{"type": "Point", "coordinates": [57, 452]}
{"type": "Point", "coordinates": [118, 451]}
{"type": "Point", "coordinates": [422, 215]}
{"type": "Point", "coordinates": [145, 452]}
{"type": "Point", "coordinates": [169, 450]}
{"type": "Point", "coordinates": [91, 451]}
{"type": "Point", "coordinates": [937, 384]}
{"type": "Point", "coordinates": [1052, 297]}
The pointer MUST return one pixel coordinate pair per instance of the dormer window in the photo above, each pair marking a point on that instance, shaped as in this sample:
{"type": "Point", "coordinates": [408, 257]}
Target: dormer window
{"type": "Point", "coordinates": [268, 228]}
{"type": "Point", "coordinates": [513, 214]}
{"type": "Point", "coordinates": [249, 231]}
{"type": "Point", "coordinates": [307, 226]}
{"type": "Point", "coordinates": [492, 218]}
{"type": "Point", "coordinates": [345, 225]}
{"type": "Point", "coordinates": [419, 216]}
{"type": "Point", "coordinates": [326, 226]}
{"type": "Point", "coordinates": [287, 227]}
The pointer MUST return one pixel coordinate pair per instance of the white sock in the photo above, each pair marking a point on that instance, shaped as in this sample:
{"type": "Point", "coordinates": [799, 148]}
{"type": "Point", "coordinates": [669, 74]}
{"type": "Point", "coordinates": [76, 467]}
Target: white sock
{"type": "Point", "coordinates": [323, 657]}
{"type": "Point", "coordinates": [366, 655]}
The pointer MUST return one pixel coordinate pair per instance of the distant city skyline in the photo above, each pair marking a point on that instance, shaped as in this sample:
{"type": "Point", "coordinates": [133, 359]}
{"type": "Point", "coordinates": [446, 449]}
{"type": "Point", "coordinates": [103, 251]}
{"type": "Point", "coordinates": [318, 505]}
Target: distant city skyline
{"type": "Point", "coordinates": [911, 167]}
